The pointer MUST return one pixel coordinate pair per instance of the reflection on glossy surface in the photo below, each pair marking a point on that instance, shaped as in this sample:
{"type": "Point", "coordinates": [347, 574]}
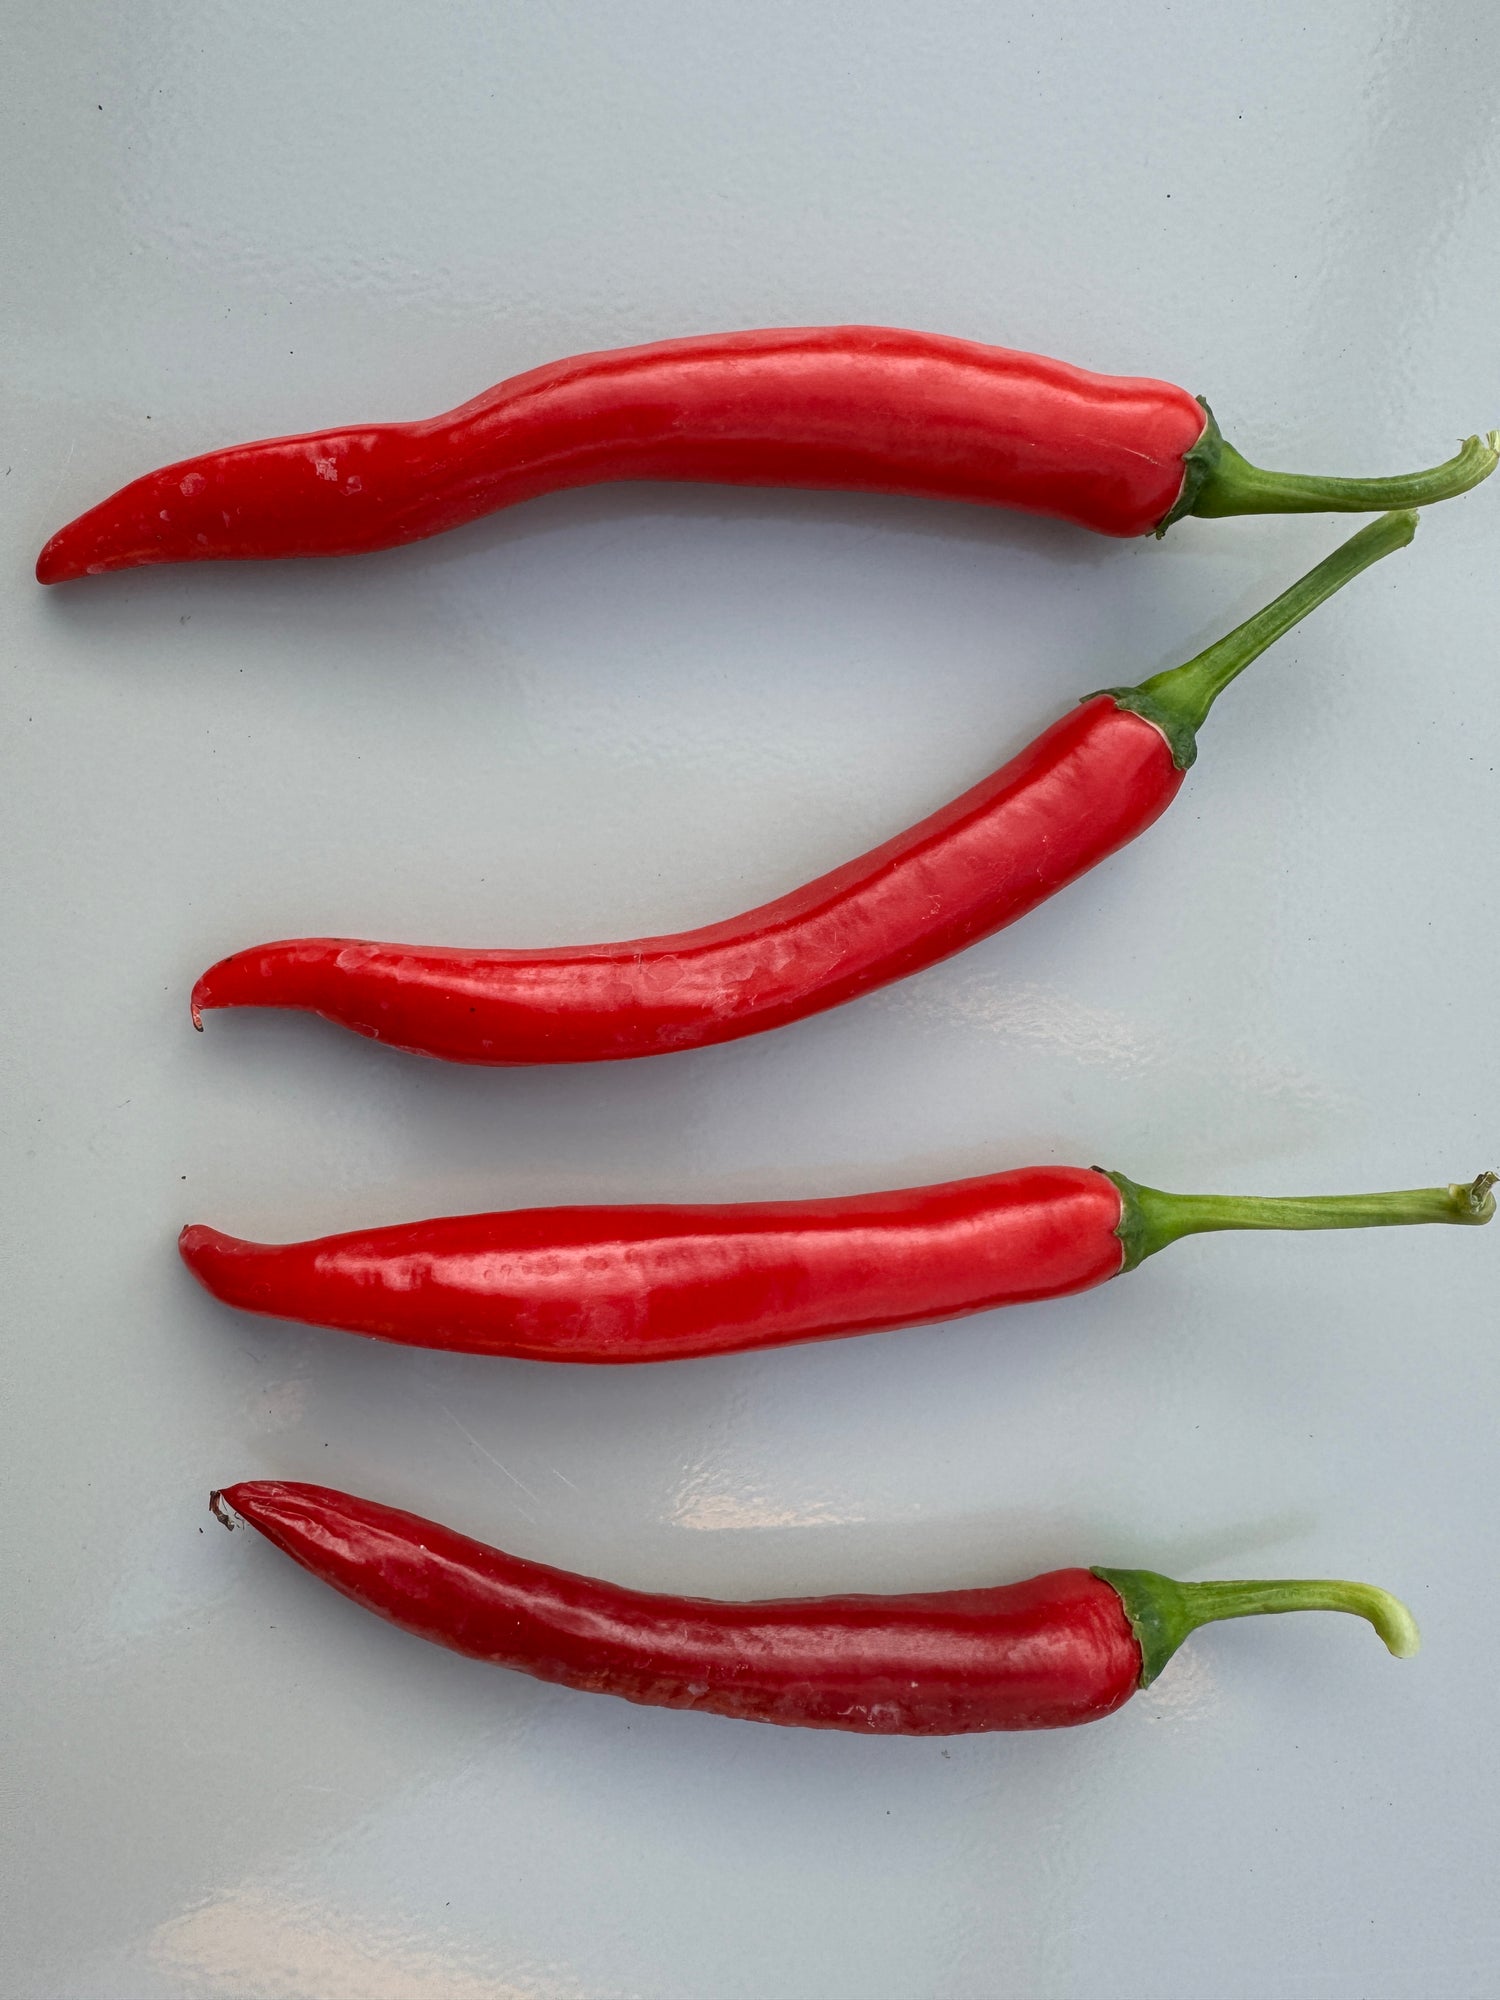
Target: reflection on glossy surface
{"type": "Point", "coordinates": [255, 1946]}
{"type": "Point", "coordinates": [1189, 1695]}
{"type": "Point", "coordinates": [704, 1502]}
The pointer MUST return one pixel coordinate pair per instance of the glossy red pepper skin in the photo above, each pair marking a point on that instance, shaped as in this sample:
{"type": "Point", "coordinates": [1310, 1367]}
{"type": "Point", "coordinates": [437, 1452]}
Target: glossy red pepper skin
{"type": "Point", "coordinates": [858, 409]}
{"type": "Point", "coordinates": [1058, 1649]}
{"type": "Point", "coordinates": [607, 1285]}
{"type": "Point", "coordinates": [1085, 787]}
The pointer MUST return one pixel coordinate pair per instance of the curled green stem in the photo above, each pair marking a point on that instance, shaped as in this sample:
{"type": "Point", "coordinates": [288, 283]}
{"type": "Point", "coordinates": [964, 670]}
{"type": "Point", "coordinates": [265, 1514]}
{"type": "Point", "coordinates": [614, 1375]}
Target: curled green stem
{"type": "Point", "coordinates": [1162, 1612]}
{"type": "Point", "coordinates": [1178, 700]}
{"type": "Point", "coordinates": [1220, 480]}
{"type": "Point", "coordinates": [1150, 1218]}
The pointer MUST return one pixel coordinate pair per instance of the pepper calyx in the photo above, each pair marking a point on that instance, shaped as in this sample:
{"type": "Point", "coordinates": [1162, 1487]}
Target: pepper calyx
{"type": "Point", "coordinates": [1131, 1229]}
{"type": "Point", "coordinates": [1181, 734]}
{"type": "Point", "coordinates": [1199, 464]}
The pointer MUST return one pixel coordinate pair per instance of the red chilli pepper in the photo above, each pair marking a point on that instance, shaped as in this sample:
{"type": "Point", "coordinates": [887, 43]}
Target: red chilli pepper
{"type": "Point", "coordinates": [862, 409]}
{"type": "Point", "coordinates": [1089, 784]}
{"type": "Point", "coordinates": [663, 1284]}
{"type": "Point", "coordinates": [1070, 1646]}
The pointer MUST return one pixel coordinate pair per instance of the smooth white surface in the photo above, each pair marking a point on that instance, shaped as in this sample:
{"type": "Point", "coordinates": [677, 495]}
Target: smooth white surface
{"type": "Point", "coordinates": [635, 710]}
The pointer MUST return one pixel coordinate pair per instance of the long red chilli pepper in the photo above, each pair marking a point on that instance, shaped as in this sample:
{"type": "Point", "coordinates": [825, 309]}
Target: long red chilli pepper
{"type": "Point", "coordinates": [865, 409]}
{"type": "Point", "coordinates": [662, 1284]}
{"type": "Point", "coordinates": [1089, 784]}
{"type": "Point", "coordinates": [1070, 1646]}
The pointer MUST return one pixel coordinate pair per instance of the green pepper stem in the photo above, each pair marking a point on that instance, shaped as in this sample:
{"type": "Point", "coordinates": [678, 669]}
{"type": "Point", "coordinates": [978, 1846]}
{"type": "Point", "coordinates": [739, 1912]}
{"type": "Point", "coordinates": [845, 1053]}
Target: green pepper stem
{"type": "Point", "coordinates": [1230, 484]}
{"type": "Point", "coordinates": [1151, 1219]}
{"type": "Point", "coordinates": [1162, 1613]}
{"type": "Point", "coordinates": [1178, 700]}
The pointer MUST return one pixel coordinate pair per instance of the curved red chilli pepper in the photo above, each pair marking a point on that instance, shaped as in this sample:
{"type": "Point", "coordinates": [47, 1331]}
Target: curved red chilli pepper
{"type": "Point", "coordinates": [1067, 1647]}
{"type": "Point", "coordinates": [663, 1284]}
{"type": "Point", "coordinates": [863, 409]}
{"type": "Point", "coordinates": [1091, 783]}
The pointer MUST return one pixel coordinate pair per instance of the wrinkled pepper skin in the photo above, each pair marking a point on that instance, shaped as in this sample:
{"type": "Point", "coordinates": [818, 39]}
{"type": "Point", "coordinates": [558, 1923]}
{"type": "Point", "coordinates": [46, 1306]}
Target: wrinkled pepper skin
{"type": "Point", "coordinates": [1092, 782]}
{"type": "Point", "coordinates": [608, 1285]}
{"type": "Point", "coordinates": [856, 409]}
{"type": "Point", "coordinates": [1056, 1650]}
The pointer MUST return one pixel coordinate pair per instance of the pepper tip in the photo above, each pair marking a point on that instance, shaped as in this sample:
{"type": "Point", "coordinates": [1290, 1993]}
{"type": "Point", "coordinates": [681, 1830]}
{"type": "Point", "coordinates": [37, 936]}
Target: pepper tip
{"type": "Point", "coordinates": [52, 565]}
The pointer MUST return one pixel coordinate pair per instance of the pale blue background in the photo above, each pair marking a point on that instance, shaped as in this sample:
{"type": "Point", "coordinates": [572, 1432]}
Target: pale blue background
{"type": "Point", "coordinates": [636, 710]}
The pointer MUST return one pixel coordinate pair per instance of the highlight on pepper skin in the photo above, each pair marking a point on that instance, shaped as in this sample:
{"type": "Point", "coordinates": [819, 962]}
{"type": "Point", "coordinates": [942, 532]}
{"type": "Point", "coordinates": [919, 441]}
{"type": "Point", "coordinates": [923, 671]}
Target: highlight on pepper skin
{"type": "Point", "coordinates": [1092, 782]}
{"type": "Point", "coordinates": [849, 408]}
{"type": "Point", "coordinates": [1068, 1647]}
{"type": "Point", "coordinates": [621, 1285]}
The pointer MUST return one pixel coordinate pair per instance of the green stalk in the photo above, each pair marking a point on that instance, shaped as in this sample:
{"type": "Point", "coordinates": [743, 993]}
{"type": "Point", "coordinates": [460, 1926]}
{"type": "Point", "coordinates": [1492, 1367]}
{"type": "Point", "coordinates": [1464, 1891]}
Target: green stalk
{"type": "Point", "coordinates": [1219, 481]}
{"type": "Point", "coordinates": [1178, 700]}
{"type": "Point", "coordinates": [1162, 1613]}
{"type": "Point", "coordinates": [1151, 1219]}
